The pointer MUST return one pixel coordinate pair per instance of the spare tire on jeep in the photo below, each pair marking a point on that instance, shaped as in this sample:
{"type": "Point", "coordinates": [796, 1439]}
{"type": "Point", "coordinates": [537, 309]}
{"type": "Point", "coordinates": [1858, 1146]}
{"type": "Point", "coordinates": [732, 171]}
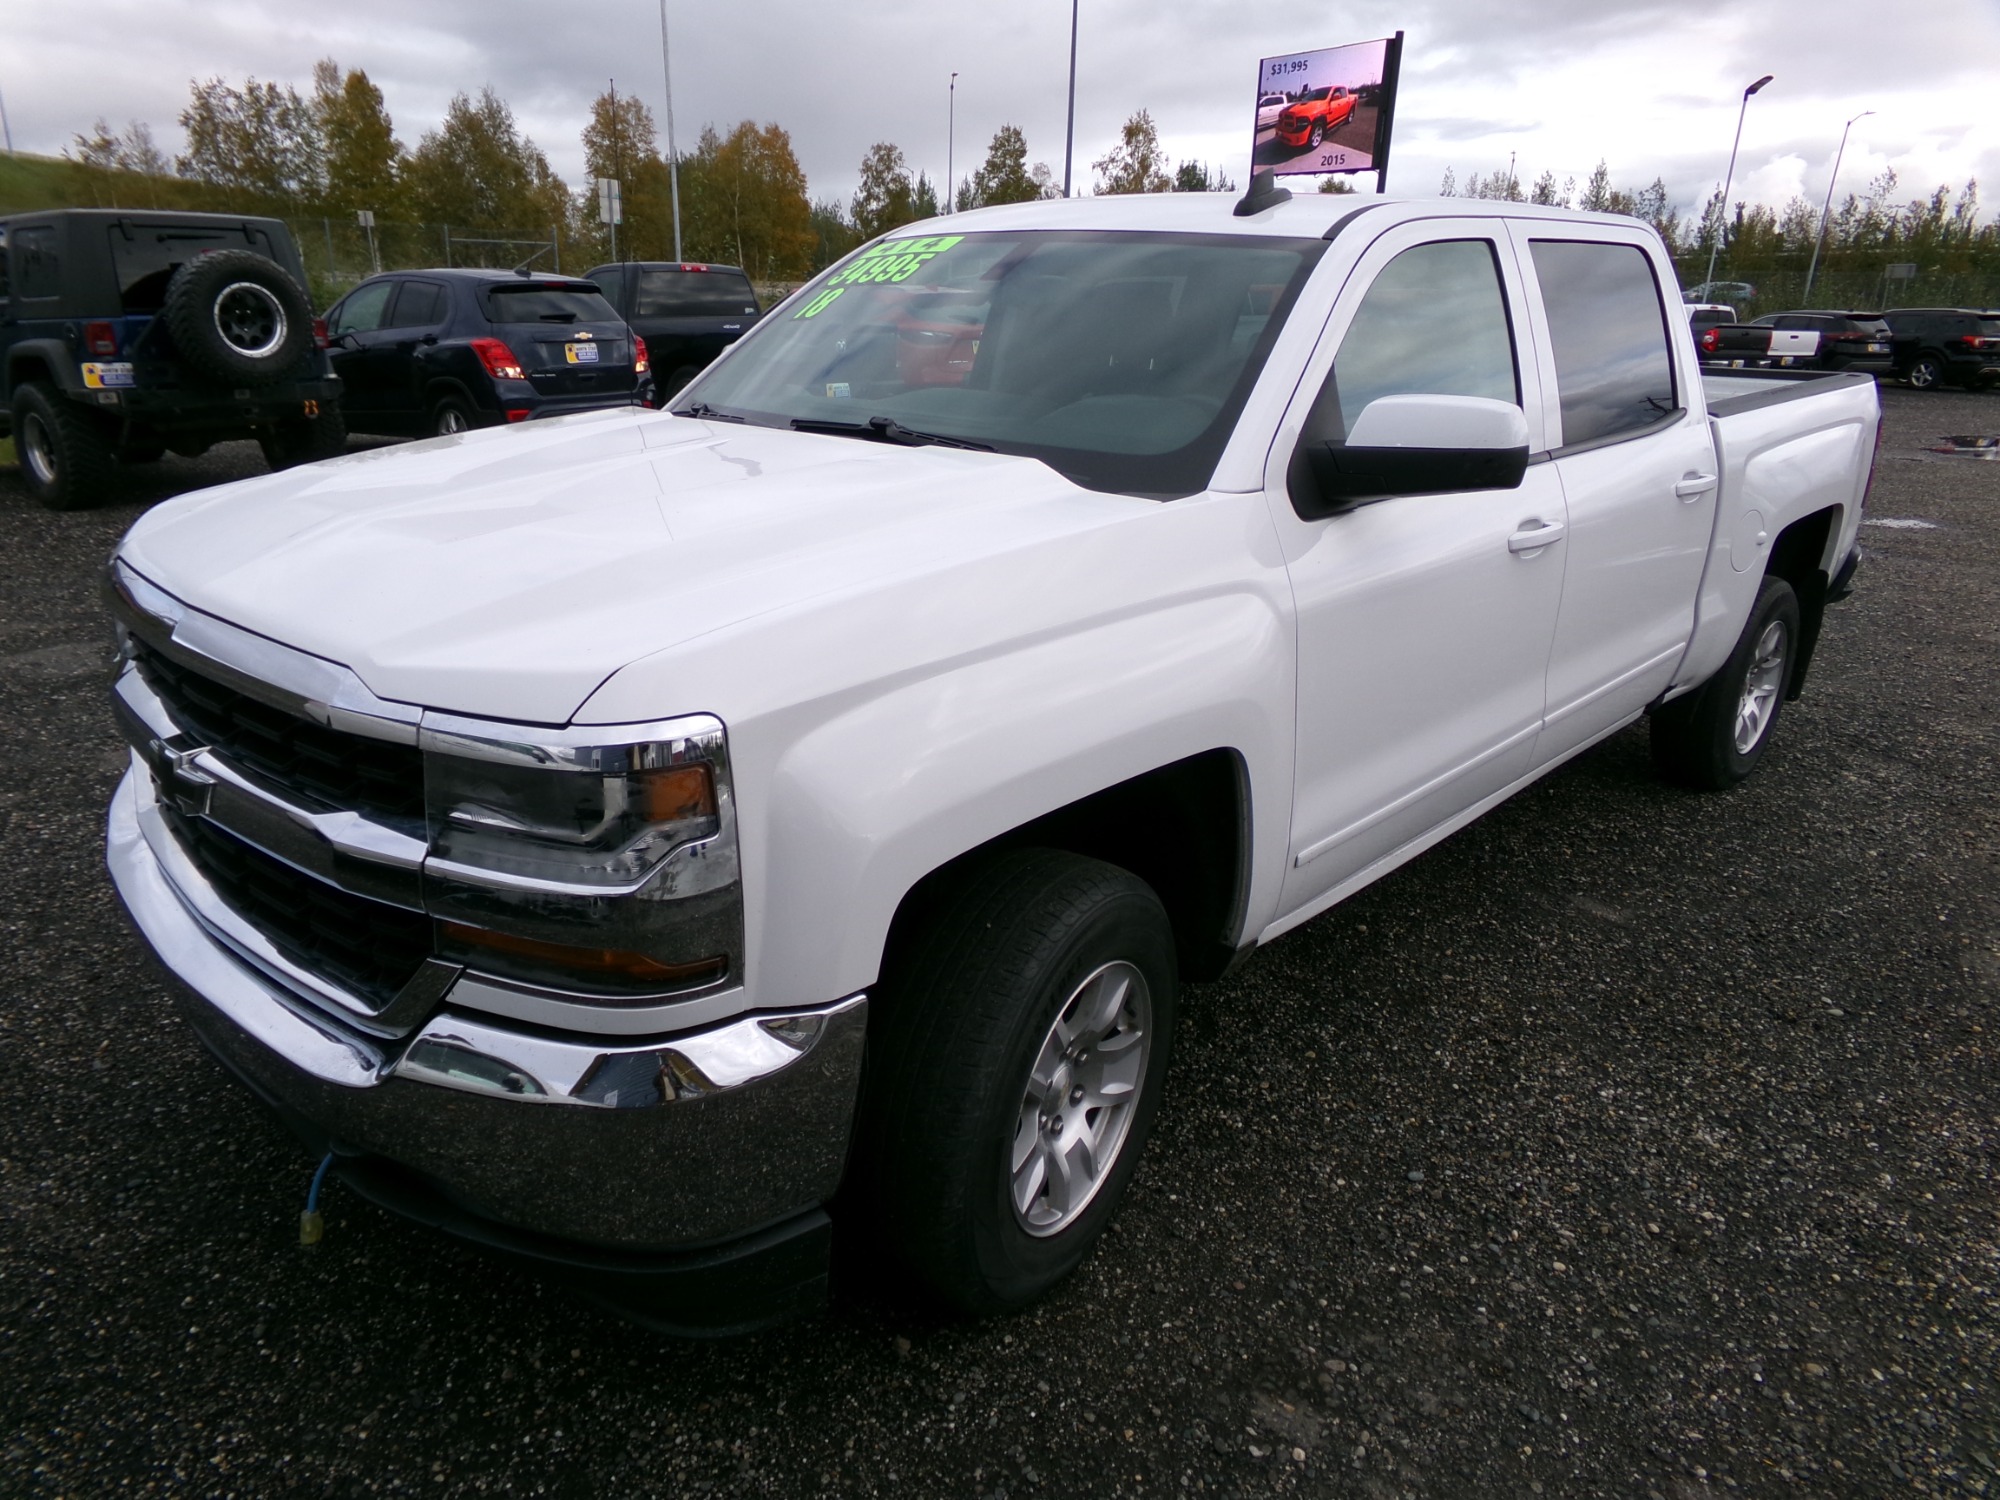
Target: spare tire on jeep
{"type": "Point", "coordinates": [238, 317]}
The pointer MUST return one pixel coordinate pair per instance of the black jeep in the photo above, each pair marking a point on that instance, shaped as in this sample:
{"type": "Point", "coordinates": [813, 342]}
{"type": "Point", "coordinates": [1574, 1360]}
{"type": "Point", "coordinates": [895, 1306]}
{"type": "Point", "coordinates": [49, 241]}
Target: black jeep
{"type": "Point", "coordinates": [125, 334]}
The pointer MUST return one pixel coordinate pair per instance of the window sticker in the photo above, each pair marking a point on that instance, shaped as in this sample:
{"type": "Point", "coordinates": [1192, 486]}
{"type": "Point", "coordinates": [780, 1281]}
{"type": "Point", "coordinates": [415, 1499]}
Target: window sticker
{"type": "Point", "coordinates": [890, 261]}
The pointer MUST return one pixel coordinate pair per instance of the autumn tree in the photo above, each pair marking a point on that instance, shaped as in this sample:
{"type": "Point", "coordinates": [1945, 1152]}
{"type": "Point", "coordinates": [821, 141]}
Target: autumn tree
{"type": "Point", "coordinates": [743, 201]}
{"type": "Point", "coordinates": [364, 160]}
{"type": "Point", "coordinates": [620, 142]}
{"type": "Point", "coordinates": [886, 198]}
{"type": "Point", "coordinates": [1136, 164]}
{"type": "Point", "coordinates": [260, 139]}
{"type": "Point", "coordinates": [477, 171]}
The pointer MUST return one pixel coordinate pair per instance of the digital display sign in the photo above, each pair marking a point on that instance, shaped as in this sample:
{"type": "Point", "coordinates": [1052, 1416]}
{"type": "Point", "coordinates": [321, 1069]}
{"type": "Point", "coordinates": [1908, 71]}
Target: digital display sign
{"type": "Point", "coordinates": [1327, 111]}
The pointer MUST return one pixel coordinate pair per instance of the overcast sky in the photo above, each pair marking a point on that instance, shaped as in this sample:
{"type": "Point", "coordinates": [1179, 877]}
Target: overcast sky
{"type": "Point", "coordinates": [1649, 85]}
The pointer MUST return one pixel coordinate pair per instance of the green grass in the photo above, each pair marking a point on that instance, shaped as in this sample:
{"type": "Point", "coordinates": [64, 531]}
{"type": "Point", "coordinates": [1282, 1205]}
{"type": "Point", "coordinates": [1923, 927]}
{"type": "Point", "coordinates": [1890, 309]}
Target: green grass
{"type": "Point", "coordinates": [28, 183]}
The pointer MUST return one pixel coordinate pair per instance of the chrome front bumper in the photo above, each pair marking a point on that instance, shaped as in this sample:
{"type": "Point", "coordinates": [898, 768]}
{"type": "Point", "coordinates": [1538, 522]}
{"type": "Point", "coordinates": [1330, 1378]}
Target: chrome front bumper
{"type": "Point", "coordinates": [654, 1145]}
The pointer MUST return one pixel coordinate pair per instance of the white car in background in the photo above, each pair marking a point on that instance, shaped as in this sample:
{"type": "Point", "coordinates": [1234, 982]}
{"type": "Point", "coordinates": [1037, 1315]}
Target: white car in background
{"type": "Point", "coordinates": [1269, 107]}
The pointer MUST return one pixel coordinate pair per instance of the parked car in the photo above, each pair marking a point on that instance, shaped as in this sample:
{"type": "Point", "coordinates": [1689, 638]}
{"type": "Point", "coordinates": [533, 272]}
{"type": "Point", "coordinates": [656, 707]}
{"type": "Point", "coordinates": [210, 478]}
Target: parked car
{"type": "Point", "coordinates": [1842, 341]}
{"type": "Point", "coordinates": [1940, 346]}
{"type": "Point", "coordinates": [1269, 107]}
{"type": "Point", "coordinates": [1721, 291]}
{"type": "Point", "coordinates": [1308, 119]}
{"type": "Point", "coordinates": [442, 351]}
{"type": "Point", "coordinates": [688, 313]}
{"type": "Point", "coordinates": [659, 846]}
{"type": "Point", "coordinates": [125, 334]}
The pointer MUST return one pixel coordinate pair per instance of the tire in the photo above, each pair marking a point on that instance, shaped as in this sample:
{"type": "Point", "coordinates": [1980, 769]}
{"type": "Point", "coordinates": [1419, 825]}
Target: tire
{"type": "Point", "coordinates": [452, 416]}
{"type": "Point", "coordinates": [953, 1154]}
{"type": "Point", "coordinates": [305, 440]}
{"type": "Point", "coordinates": [1926, 373]}
{"type": "Point", "coordinates": [1318, 135]}
{"type": "Point", "coordinates": [143, 451]}
{"type": "Point", "coordinates": [676, 382]}
{"type": "Point", "coordinates": [1713, 737]}
{"type": "Point", "coordinates": [66, 456]}
{"type": "Point", "coordinates": [238, 318]}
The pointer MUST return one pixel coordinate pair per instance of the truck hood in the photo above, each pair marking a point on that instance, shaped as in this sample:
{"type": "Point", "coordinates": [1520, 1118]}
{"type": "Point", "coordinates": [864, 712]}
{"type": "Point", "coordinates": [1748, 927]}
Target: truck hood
{"type": "Point", "coordinates": [507, 573]}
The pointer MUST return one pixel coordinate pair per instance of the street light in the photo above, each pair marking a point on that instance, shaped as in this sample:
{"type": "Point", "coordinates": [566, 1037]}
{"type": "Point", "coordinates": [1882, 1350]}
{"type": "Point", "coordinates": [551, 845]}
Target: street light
{"type": "Point", "coordinates": [1716, 243]}
{"type": "Point", "coordinates": [1069, 136]}
{"type": "Point", "coordinates": [1828, 207]}
{"type": "Point", "coordinates": [673, 156]}
{"type": "Point", "coordinates": [950, 141]}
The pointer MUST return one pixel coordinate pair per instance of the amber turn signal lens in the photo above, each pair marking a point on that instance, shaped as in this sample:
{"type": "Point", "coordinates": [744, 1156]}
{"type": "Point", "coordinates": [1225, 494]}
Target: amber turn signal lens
{"type": "Point", "coordinates": [675, 795]}
{"type": "Point", "coordinates": [598, 963]}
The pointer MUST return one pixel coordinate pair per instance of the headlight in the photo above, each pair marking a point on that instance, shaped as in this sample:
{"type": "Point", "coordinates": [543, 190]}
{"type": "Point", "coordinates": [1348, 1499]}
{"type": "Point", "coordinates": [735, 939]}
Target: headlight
{"type": "Point", "coordinates": [601, 858]}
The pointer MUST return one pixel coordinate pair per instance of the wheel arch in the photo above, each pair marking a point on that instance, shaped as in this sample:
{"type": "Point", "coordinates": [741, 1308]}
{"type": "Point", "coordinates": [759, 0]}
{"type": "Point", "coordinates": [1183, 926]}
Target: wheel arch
{"type": "Point", "coordinates": [1799, 555]}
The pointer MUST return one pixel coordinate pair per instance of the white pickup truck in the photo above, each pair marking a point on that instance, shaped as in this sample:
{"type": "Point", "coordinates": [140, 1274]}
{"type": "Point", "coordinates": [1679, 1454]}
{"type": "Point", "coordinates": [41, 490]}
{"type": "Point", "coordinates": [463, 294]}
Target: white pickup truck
{"type": "Point", "coordinates": [663, 844]}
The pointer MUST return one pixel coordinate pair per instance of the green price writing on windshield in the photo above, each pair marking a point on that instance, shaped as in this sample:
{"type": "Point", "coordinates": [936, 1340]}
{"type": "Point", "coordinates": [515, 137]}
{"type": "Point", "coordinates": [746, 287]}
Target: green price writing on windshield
{"type": "Point", "coordinates": [892, 260]}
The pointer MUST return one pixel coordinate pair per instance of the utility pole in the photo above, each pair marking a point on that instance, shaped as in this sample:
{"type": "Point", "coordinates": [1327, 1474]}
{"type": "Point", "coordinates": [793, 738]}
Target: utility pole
{"type": "Point", "coordinates": [673, 156]}
{"type": "Point", "coordinates": [1820, 239]}
{"type": "Point", "coordinates": [1729, 178]}
{"type": "Point", "coordinates": [950, 142]}
{"type": "Point", "coordinates": [1069, 135]}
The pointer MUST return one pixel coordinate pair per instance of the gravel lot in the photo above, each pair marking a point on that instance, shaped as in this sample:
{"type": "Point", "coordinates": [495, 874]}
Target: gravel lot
{"type": "Point", "coordinates": [1632, 1143]}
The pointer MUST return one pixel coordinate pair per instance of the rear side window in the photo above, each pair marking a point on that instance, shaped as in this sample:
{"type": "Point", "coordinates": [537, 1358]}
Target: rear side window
{"type": "Point", "coordinates": [420, 305]}
{"type": "Point", "coordinates": [1433, 323]}
{"type": "Point", "coordinates": [611, 281]}
{"type": "Point", "coordinates": [1614, 366]}
{"type": "Point", "coordinates": [147, 255]}
{"type": "Point", "coordinates": [1987, 327]}
{"type": "Point", "coordinates": [545, 302]}
{"type": "Point", "coordinates": [694, 294]}
{"type": "Point", "coordinates": [35, 263]}
{"type": "Point", "coordinates": [364, 310]}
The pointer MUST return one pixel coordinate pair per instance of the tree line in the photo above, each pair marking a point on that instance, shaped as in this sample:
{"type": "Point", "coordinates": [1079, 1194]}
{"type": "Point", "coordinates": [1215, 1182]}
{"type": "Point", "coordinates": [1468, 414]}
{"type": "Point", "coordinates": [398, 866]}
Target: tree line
{"type": "Point", "coordinates": [333, 150]}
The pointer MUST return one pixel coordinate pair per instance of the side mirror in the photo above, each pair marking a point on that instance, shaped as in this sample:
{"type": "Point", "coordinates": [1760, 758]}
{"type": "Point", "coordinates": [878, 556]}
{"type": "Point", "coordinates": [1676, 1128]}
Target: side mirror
{"type": "Point", "coordinates": [1411, 445]}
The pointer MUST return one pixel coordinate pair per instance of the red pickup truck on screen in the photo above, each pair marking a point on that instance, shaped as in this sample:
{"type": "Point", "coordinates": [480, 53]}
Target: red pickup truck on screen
{"type": "Point", "coordinates": [1306, 121]}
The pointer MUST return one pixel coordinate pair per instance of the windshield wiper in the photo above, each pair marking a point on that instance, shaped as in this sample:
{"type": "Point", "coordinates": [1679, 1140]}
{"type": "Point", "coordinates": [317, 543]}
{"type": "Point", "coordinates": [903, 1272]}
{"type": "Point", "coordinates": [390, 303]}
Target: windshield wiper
{"type": "Point", "coordinates": [887, 430]}
{"type": "Point", "coordinates": [708, 413]}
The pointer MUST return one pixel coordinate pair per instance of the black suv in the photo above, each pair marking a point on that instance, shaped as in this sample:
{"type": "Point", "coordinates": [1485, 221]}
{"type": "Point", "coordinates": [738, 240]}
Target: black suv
{"type": "Point", "coordinates": [1946, 346]}
{"type": "Point", "coordinates": [126, 334]}
{"type": "Point", "coordinates": [1857, 341]}
{"type": "Point", "coordinates": [687, 313]}
{"type": "Point", "coordinates": [423, 353]}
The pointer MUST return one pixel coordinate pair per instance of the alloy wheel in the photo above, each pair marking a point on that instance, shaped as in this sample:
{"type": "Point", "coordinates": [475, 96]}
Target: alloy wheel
{"type": "Point", "coordinates": [37, 450]}
{"type": "Point", "coordinates": [1761, 686]}
{"type": "Point", "coordinates": [250, 319]}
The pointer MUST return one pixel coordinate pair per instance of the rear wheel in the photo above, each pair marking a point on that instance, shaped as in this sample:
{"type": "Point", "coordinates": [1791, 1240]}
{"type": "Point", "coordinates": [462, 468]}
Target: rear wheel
{"type": "Point", "coordinates": [66, 455]}
{"type": "Point", "coordinates": [305, 440]}
{"type": "Point", "coordinates": [1926, 373]}
{"type": "Point", "coordinates": [1712, 738]}
{"type": "Point", "coordinates": [451, 416]}
{"type": "Point", "coordinates": [1020, 1047]}
{"type": "Point", "coordinates": [674, 382]}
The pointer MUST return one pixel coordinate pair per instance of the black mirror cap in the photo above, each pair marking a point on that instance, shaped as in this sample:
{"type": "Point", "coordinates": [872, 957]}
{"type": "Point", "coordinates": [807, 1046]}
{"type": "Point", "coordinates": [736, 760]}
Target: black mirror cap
{"type": "Point", "coordinates": [1325, 479]}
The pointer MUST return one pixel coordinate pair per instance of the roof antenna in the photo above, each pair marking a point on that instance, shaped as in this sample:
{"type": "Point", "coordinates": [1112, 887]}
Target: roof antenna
{"type": "Point", "coordinates": [522, 269]}
{"type": "Point", "coordinates": [1263, 193]}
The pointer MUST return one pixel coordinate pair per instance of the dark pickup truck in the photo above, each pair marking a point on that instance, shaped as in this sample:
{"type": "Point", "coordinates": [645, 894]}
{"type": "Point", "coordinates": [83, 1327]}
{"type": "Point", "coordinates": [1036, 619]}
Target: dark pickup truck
{"type": "Point", "coordinates": [687, 313]}
{"type": "Point", "coordinates": [1854, 341]}
{"type": "Point", "coordinates": [125, 334]}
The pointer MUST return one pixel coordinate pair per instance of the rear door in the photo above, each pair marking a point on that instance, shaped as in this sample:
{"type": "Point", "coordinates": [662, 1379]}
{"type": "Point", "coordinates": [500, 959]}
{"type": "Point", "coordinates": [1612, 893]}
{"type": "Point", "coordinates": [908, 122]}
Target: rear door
{"type": "Point", "coordinates": [1637, 467]}
{"type": "Point", "coordinates": [570, 340]}
{"type": "Point", "coordinates": [1424, 621]}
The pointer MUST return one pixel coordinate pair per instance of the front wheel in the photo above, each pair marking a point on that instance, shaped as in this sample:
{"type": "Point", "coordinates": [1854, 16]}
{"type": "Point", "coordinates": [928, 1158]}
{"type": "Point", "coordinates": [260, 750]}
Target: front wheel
{"type": "Point", "coordinates": [1318, 135]}
{"type": "Point", "coordinates": [1020, 1050]}
{"type": "Point", "coordinates": [1713, 737]}
{"type": "Point", "coordinates": [66, 455]}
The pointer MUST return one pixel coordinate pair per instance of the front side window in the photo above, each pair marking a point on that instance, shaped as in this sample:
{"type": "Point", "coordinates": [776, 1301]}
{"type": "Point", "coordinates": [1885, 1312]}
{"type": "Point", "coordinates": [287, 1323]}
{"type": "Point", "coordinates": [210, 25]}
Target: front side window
{"type": "Point", "coordinates": [363, 311]}
{"type": "Point", "coordinates": [1614, 366]}
{"type": "Point", "coordinates": [1119, 359]}
{"type": "Point", "coordinates": [1433, 323]}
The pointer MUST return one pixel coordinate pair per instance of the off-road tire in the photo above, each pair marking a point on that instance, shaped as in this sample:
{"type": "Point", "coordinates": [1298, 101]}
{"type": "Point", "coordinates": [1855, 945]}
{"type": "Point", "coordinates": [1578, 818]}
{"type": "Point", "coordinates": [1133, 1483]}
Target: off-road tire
{"type": "Point", "coordinates": [305, 440]}
{"type": "Point", "coordinates": [66, 454]}
{"type": "Point", "coordinates": [981, 967]}
{"type": "Point", "coordinates": [1695, 736]}
{"type": "Point", "coordinates": [238, 318]}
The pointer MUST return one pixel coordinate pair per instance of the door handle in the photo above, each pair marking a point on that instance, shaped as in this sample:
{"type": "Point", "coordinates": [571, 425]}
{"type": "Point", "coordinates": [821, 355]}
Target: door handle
{"type": "Point", "coordinates": [1534, 538]}
{"type": "Point", "coordinates": [1695, 484]}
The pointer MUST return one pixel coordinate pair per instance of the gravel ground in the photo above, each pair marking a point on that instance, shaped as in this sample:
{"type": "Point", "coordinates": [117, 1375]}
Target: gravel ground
{"type": "Point", "coordinates": [1632, 1143]}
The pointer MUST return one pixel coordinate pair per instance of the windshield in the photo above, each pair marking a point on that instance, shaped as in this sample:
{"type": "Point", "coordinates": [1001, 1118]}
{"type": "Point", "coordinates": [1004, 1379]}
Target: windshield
{"type": "Point", "coordinates": [532, 302]}
{"type": "Point", "coordinates": [1120, 360]}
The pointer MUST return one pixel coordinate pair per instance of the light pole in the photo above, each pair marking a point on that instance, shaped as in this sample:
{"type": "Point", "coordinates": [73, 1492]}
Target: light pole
{"type": "Point", "coordinates": [950, 143]}
{"type": "Point", "coordinates": [1069, 135]}
{"type": "Point", "coordinates": [1820, 238]}
{"type": "Point", "coordinates": [1715, 244]}
{"type": "Point", "coordinates": [673, 156]}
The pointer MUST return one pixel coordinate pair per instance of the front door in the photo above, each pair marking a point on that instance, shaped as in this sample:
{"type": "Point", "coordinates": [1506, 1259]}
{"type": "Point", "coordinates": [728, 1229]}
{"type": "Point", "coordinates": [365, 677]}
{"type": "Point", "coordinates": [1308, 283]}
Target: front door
{"type": "Point", "coordinates": [1424, 621]}
{"type": "Point", "coordinates": [361, 354]}
{"type": "Point", "coordinates": [1637, 465]}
